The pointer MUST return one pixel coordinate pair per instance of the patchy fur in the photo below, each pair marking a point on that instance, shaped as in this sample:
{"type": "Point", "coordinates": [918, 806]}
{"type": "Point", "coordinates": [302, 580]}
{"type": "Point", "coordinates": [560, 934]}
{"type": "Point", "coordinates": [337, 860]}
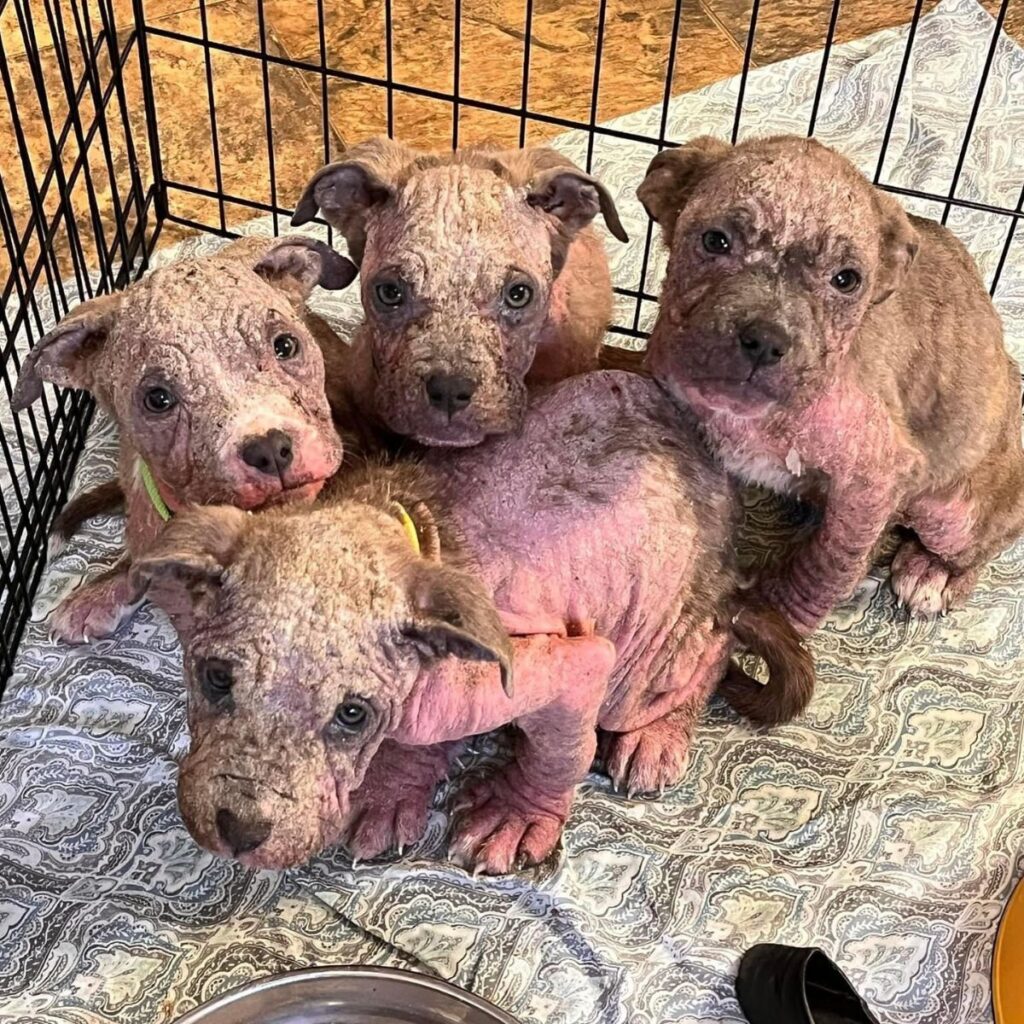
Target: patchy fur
{"type": "Point", "coordinates": [598, 539]}
{"type": "Point", "coordinates": [448, 246]}
{"type": "Point", "coordinates": [844, 352]}
{"type": "Point", "coordinates": [247, 422]}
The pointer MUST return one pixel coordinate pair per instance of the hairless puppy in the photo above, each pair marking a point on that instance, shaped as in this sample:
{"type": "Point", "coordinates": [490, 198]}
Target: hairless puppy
{"type": "Point", "coordinates": [212, 370]}
{"type": "Point", "coordinates": [480, 275]}
{"type": "Point", "coordinates": [837, 349]}
{"type": "Point", "coordinates": [590, 554]}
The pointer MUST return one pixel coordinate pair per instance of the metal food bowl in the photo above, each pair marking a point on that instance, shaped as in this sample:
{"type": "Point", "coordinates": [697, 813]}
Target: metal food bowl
{"type": "Point", "coordinates": [347, 995]}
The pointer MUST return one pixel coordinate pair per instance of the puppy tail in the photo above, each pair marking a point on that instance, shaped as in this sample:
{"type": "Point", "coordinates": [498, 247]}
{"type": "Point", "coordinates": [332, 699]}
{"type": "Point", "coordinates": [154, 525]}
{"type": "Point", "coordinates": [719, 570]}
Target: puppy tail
{"type": "Point", "coordinates": [615, 357]}
{"type": "Point", "coordinates": [106, 497]}
{"type": "Point", "coordinates": [766, 632]}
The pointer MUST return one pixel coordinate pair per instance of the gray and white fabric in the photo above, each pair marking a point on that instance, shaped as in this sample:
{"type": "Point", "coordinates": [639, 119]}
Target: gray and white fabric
{"type": "Point", "coordinates": [887, 825]}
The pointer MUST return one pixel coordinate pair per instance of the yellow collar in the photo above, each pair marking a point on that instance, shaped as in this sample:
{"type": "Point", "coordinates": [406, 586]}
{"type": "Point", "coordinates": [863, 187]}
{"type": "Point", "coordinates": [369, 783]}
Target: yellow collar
{"type": "Point", "coordinates": [153, 491]}
{"type": "Point", "coordinates": [408, 525]}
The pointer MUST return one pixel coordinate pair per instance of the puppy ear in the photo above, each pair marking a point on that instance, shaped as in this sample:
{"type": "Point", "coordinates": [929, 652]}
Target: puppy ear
{"type": "Point", "coordinates": [575, 198]}
{"type": "Point", "coordinates": [66, 355]}
{"type": "Point", "coordinates": [898, 244]}
{"type": "Point", "coordinates": [183, 571]}
{"type": "Point", "coordinates": [345, 191]}
{"type": "Point", "coordinates": [454, 615]}
{"type": "Point", "coordinates": [297, 265]}
{"type": "Point", "coordinates": [672, 177]}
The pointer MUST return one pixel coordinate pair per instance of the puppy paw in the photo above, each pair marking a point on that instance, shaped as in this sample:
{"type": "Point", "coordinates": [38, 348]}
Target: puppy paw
{"type": "Point", "coordinates": [506, 824]}
{"type": "Point", "coordinates": [389, 811]}
{"type": "Point", "coordinates": [647, 760]}
{"type": "Point", "coordinates": [94, 610]}
{"type": "Point", "coordinates": [925, 584]}
{"type": "Point", "coordinates": [382, 822]}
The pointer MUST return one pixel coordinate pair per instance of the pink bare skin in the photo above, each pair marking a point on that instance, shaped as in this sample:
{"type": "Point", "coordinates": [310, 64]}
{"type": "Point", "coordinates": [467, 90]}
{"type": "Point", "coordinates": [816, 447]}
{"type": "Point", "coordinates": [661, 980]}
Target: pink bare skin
{"type": "Point", "coordinates": [480, 276]}
{"type": "Point", "coordinates": [837, 349]}
{"type": "Point", "coordinates": [213, 372]}
{"type": "Point", "coordinates": [311, 637]}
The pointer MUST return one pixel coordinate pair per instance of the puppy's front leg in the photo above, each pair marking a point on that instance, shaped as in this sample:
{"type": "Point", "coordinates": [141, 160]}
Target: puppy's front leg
{"type": "Point", "coordinates": [97, 607]}
{"type": "Point", "coordinates": [825, 570]}
{"type": "Point", "coordinates": [391, 807]}
{"type": "Point", "coordinates": [516, 816]}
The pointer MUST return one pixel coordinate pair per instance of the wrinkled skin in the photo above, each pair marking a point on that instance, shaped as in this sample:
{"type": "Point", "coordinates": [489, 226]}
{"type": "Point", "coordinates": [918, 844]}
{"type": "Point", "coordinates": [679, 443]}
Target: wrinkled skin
{"type": "Point", "coordinates": [327, 632]}
{"type": "Point", "coordinates": [225, 341]}
{"type": "Point", "coordinates": [479, 275]}
{"type": "Point", "coordinates": [843, 352]}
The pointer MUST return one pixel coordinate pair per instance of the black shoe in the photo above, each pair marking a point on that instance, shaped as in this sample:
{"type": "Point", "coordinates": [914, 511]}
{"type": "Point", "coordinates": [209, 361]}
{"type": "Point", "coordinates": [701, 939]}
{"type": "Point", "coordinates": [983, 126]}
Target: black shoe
{"type": "Point", "coordinates": [791, 985]}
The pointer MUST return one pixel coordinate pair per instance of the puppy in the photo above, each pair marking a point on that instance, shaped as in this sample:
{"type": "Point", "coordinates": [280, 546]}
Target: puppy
{"type": "Point", "coordinates": [836, 349]}
{"type": "Point", "coordinates": [613, 574]}
{"type": "Point", "coordinates": [213, 372]}
{"type": "Point", "coordinates": [480, 275]}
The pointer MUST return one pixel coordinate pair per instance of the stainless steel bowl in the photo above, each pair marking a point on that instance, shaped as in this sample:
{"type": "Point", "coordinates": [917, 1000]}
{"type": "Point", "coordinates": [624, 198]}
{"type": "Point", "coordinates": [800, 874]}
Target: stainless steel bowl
{"type": "Point", "coordinates": [347, 995]}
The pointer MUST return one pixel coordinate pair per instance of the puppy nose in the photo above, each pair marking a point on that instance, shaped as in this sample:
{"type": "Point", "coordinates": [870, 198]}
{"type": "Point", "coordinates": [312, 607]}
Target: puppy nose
{"type": "Point", "coordinates": [449, 392]}
{"type": "Point", "coordinates": [271, 454]}
{"type": "Point", "coordinates": [241, 836]}
{"type": "Point", "coordinates": [763, 342]}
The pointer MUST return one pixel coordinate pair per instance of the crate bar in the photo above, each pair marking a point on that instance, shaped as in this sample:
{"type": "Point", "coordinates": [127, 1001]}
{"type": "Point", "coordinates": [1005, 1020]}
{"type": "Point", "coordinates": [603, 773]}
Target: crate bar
{"type": "Point", "coordinates": [894, 107]}
{"type": "Point", "coordinates": [149, 104]}
{"type": "Point", "coordinates": [389, 67]}
{"type": "Point", "coordinates": [978, 96]}
{"type": "Point", "coordinates": [596, 87]}
{"type": "Point", "coordinates": [268, 116]}
{"type": "Point", "coordinates": [456, 73]}
{"type": "Point", "coordinates": [1007, 245]}
{"type": "Point", "coordinates": [747, 54]}
{"type": "Point", "coordinates": [525, 94]}
{"type": "Point", "coordinates": [325, 124]}
{"type": "Point", "coordinates": [101, 122]}
{"type": "Point", "coordinates": [207, 46]}
{"type": "Point", "coordinates": [666, 100]}
{"type": "Point", "coordinates": [820, 88]}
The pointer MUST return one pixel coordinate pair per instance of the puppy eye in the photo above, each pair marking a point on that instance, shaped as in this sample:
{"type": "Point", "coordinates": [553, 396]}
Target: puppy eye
{"type": "Point", "coordinates": [350, 717]}
{"type": "Point", "coordinates": [846, 281]}
{"type": "Point", "coordinates": [518, 295]}
{"type": "Point", "coordinates": [159, 400]}
{"type": "Point", "coordinates": [389, 294]}
{"type": "Point", "coordinates": [716, 242]}
{"type": "Point", "coordinates": [215, 679]}
{"type": "Point", "coordinates": [286, 346]}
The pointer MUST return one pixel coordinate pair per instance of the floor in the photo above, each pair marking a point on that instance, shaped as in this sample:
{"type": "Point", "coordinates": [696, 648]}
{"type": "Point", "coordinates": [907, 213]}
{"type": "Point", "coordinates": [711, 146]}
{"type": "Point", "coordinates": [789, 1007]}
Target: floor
{"type": "Point", "coordinates": [563, 43]}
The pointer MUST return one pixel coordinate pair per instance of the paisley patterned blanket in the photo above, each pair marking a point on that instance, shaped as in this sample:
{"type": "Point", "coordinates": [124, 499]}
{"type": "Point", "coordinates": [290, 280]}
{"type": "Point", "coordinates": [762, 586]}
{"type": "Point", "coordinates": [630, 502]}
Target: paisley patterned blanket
{"type": "Point", "coordinates": [887, 825]}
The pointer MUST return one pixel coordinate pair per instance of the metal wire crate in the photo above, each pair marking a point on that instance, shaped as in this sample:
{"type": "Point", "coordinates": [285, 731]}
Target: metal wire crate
{"type": "Point", "coordinates": [81, 215]}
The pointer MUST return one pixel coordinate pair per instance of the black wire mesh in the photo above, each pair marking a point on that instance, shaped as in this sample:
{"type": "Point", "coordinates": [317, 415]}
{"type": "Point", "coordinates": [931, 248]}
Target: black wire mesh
{"type": "Point", "coordinates": [81, 215]}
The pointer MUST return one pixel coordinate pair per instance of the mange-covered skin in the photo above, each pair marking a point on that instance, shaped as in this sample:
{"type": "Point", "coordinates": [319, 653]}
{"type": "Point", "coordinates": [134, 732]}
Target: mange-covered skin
{"type": "Point", "coordinates": [480, 275]}
{"type": "Point", "coordinates": [215, 378]}
{"type": "Point", "coordinates": [598, 538]}
{"type": "Point", "coordinates": [835, 348]}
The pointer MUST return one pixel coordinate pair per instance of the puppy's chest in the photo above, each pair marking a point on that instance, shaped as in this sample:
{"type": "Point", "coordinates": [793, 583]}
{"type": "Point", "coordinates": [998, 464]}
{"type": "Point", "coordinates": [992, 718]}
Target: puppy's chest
{"type": "Point", "coordinates": [770, 463]}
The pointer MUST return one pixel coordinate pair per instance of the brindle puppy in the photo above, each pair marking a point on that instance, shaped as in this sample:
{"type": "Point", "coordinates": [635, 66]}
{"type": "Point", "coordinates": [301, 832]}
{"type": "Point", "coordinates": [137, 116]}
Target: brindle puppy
{"type": "Point", "coordinates": [835, 348]}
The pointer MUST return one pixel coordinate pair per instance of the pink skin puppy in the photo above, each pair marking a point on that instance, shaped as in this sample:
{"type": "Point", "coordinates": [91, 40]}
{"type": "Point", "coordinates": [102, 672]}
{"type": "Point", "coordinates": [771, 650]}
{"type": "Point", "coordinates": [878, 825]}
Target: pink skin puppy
{"type": "Point", "coordinates": [480, 275]}
{"type": "Point", "coordinates": [312, 637]}
{"type": "Point", "coordinates": [835, 348]}
{"type": "Point", "coordinates": [212, 370]}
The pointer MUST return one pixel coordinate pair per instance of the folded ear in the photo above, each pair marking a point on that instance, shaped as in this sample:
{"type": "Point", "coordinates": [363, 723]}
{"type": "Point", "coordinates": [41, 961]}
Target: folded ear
{"type": "Point", "coordinates": [184, 570]}
{"type": "Point", "coordinates": [67, 354]}
{"type": "Point", "coordinates": [345, 191]}
{"type": "Point", "coordinates": [573, 196]}
{"type": "Point", "coordinates": [298, 264]}
{"type": "Point", "coordinates": [672, 176]}
{"type": "Point", "coordinates": [454, 615]}
{"type": "Point", "coordinates": [898, 243]}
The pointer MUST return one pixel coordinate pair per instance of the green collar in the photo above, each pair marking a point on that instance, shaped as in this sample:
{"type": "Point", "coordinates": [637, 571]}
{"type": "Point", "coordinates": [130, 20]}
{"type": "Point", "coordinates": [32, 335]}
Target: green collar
{"type": "Point", "coordinates": [153, 491]}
